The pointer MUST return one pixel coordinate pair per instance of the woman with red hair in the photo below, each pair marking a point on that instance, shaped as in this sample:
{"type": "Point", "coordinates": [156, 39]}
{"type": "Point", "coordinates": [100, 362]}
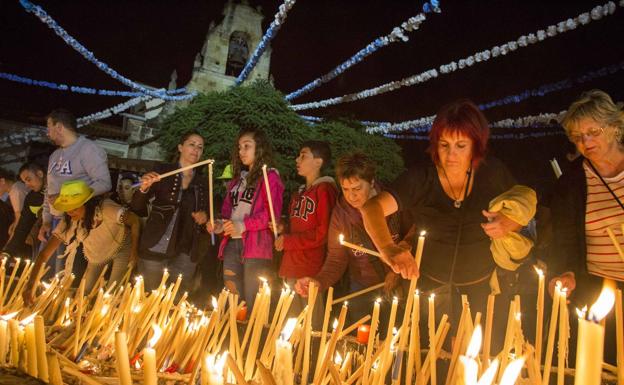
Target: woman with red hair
{"type": "Point", "coordinates": [451, 198]}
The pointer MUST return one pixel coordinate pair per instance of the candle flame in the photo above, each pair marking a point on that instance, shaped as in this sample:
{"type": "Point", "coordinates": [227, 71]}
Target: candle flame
{"type": "Point", "coordinates": [156, 336]}
{"type": "Point", "coordinates": [518, 316]}
{"type": "Point", "coordinates": [137, 365]}
{"type": "Point", "coordinates": [341, 239]}
{"type": "Point", "coordinates": [335, 324]}
{"type": "Point", "coordinates": [288, 329]}
{"type": "Point", "coordinates": [338, 359]}
{"type": "Point", "coordinates": [423, 233]}
{"type": "Point", "coordinates": [512, 371]}
{"type": "Point", "coordinates": [394, 331]}
{"type": "Point", "coordinates": [581, 312]}
{"type": "Point", "coordinates": [395, 299]}
{"type": "Point", "coordinates": [104, 310]}
{"type": "Point", "coordinates": [216, 363]}
{"type": "Point", "coordinates": [345, 303]}
{"type": "Point", "coordinates": [431, 296]}
{"type": "Point", "coordinates": [487, 378]}
{"type": "Point", "coordinates": [471, 370]}
{"type": "Point", "coordinates": [378, 300]}
{"type": "Point", "coordinates": [539, 271]}
{"type": "Point", "coordinates": [603, 304]}
{"type": "Point", "coordinates": [28, 319]}
{"type": "Point", "coordinates": [215, 304]}
{"type": "Point", "coordinates": [46, 285]}
{"type": "Point", "coordinates": [286, 288]}
{"type": "Point", "coordinates": [475, 343]}
{"type": "Point", "coordinates": [264, 280]}
{"type": "Point", "coordinates": [7, 317]}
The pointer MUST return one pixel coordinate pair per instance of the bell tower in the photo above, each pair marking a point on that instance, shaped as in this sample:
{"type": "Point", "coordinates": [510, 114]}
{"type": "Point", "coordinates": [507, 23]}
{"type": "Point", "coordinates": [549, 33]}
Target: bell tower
{"type": "Point", "coordinates": [227, 48]}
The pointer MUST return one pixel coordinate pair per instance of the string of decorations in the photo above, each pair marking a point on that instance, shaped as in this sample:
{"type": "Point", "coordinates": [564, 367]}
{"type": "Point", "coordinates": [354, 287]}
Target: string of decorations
{"type": "Point", "coordinates": [280, 18]}
{"type": "Point", "coordinates": [72, 42]}
{"type": "Point", "coordinates": [87, 119]}
{"type": "Point", "coordinates": [78, 89]}
{"type": "Point", "coordinates": [397, 34]}
{"type": "Point", "coordinates": [424, 123]}
{"type": "Point", "coordinates": [597, 13]}
{"type": "Point", "coordinates": [508, 136]}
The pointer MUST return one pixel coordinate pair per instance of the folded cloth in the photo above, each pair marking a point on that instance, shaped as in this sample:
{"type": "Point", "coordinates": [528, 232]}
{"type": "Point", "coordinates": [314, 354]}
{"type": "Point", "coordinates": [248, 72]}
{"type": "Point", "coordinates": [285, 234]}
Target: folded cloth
{"type": "Point", "coordinates": [518, 204]}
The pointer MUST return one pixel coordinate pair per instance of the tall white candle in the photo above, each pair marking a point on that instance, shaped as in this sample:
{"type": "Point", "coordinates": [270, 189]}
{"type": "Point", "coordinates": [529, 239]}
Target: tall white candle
{"type": "Point", "coordinates": [150, 376]}
{"type": "Point", "coordinates": [283, 365]}
{"type": "Point", "coordinates": [121, 354]}
{"type": "Point", "coordinates": [269, 198]}
{"type": "Point", "coordinates": [432, 339]}
{"type": "Point", "coordinates": [590, 343]}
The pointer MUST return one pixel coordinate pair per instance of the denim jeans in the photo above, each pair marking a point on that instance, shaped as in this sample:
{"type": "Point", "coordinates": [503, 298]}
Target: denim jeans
{"type": "Point", "coordinates": [152, 271]}
{"type": "Point", "coordinates": [242, 275]}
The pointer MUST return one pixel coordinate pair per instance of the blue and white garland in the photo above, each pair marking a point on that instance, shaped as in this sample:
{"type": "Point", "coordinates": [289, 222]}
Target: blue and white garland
{"type": "Point", "coordinates": [78, 89]}
{"type": "Point", "coordinates": [47, 19]}
{"type": "Point", "coordinates": [280, 18]}
{"type": "Point", "coordinates": [424, 124]}
{"type": "Point", "coordinates": [533, 121]}
{"type": "Point", "coordinates": [596, 13]}
{"type": "Point", "coordinates": [397, 34]}
{"type": "Point", "coordinates": [87, 119]}
{"type": "Point", "coordinates": [508, 136]}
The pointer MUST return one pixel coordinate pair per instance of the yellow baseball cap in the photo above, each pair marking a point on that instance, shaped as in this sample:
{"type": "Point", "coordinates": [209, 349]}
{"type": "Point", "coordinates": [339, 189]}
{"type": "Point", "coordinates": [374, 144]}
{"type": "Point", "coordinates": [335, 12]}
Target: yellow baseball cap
{"type": "Point", "coordinates": [73, 194]}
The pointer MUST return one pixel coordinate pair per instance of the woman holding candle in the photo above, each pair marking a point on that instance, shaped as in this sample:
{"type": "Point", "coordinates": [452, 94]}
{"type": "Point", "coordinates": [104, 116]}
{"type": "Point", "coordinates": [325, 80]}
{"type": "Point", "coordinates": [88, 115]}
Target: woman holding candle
{"type": "Point", "coordinates": [588, 200]}
{"type": "Point", "coordinates": [356, 174]}
{"type": "Point", "coordinates": [174, 236]}
{"type": "Point", "coordinates": [247, 245]}
{"type": "Point", "coordinates": [106, 233]}
{"type": "Point", "coordinates": [450, 197]}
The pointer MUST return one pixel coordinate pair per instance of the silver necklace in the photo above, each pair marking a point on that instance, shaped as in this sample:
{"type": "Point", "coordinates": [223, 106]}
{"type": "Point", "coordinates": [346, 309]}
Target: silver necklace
{"type": "Point", "coordinates": [457, 201]}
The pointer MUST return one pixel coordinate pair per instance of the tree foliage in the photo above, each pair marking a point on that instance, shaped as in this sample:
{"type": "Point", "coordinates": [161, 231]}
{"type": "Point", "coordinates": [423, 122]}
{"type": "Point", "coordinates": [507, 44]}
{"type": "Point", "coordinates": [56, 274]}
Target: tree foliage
{"type": "Point", "coordinates": [218, 116]}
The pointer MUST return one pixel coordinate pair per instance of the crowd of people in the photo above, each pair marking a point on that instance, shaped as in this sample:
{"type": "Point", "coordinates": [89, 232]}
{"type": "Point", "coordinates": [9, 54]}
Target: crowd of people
{"type": "Point", "coordinates": [479, 222]}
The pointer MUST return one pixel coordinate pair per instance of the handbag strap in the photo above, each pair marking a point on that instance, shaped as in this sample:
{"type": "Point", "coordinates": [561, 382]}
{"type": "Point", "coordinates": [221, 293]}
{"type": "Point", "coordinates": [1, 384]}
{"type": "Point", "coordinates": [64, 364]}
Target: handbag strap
{"type": "Point", "coordinates": [605, 184]}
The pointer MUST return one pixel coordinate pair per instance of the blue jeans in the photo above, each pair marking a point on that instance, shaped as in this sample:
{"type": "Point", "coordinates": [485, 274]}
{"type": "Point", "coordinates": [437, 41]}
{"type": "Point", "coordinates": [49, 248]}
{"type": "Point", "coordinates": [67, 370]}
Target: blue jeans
{"type": "Point", "coordinates": [152, 271]}
{"type": "Point", "coordinates": [241, 275]}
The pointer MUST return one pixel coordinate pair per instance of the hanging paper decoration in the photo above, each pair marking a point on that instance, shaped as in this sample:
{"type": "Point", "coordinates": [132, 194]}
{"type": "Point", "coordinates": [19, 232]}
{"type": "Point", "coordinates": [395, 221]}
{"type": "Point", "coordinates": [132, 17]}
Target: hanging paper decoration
{"type": "Point", "coordinates": [47, 19]}
{"type": "Point", "coordinates": [280, 18]}
{"type": "Point", "coordinates": [78, 89]}
{"type": "Point", "coordinates": [397, 34]}
{"type": "Point", "coordinates": [107, 113]}
{"type": "Point", "coordinates": [583, 19]}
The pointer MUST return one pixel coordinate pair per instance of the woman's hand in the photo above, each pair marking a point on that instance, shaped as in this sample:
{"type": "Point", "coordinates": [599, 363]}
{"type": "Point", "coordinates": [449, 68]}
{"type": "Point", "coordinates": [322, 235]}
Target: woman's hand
{"type": "Point", "coordinates": [217, 228]}
{"type": "Point", "coordinates": [200, 217]}
{"type": "Point", "coordinates": [567, 280]}
{"type": "Point", "coordinates": [498, 225]}
{"type": "Point", "coordinates": [303, 285]}
{"type": "Point", "coordinates": [27, 294]}
{"type": "Point", "coordinates": [279, 243]}
{"type": "Point", "coordinates": [401, 261]}
{"type": "Point", "coordinates": [148, 180]}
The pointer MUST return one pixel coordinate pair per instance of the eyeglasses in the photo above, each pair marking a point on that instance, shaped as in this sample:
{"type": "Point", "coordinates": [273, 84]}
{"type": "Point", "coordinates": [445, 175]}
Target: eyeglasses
{"type": "Point", "coordinates": [591, 133]}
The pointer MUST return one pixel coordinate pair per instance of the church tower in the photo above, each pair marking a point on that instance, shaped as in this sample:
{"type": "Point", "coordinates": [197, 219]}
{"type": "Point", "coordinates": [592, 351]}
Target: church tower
{"type": "Point", "coordinates": [227, 48]}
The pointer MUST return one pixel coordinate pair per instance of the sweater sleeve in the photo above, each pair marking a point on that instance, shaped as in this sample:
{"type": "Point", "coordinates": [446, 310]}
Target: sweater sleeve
{"type": "Point", "coordinates": [317, 236]}
{"type": "Point", "coordinates": [95, 164]}
{"type": "Point", "coordinates": [337, 258]}
{"type": "Point", "coordinates": [260, 220]}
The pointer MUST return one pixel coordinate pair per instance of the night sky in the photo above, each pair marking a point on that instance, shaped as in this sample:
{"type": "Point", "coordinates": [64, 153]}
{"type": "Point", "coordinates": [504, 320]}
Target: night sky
{"type": "Point", "coordinates": [147, 40]}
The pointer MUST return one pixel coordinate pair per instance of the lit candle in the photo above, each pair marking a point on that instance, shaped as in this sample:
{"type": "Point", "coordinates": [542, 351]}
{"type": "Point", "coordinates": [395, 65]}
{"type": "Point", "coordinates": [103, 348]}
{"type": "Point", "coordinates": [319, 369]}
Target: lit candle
{"type": "Point", "coordinates": [42, 361]}
{"type": "Point", "coordinates": [4, 336]}
{"type": "Point", "coordinates": [212, 369]}
{"type": "Point", "coordinates": [356, 247]}
{"type": "Point", "coordinates": [121, 354]}
{"type": "Point", "coordinates": [512, 371]}
{"type": "Point", "coordinates": [268, 192]}
{"type": "Point", "coordinates": [562, 351]}
{"type": "Point", "coordinates": [420, 247]}
{"type": "Point", "coordinates": [371, 342]}
{"type": "Point", "coordinates": [149, 358]}
{"type": "Point", "coordinates": [362, 333]}
{"type": "Point", "coordinates": [590, 343]}
{"type": "Point", "coordinates": [550, 345]}
{"type": "Point", "coordinates": [432, 339]}
{"type": "Point", "coordinates": [540, 315]}
{"type": "Point", "coordinates": [31, 345]}
{"type": "Point", "coordinates": [468, 361]}
{"type": "Point", "coordinates": [619, 325]}
{"type": "Point", "coordinates": [283, 365]}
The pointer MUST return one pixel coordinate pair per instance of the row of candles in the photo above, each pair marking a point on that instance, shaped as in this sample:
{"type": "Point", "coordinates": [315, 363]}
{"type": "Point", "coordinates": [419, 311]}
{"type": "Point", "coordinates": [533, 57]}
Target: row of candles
{"type": "Point", "coordinates": [108, 315]}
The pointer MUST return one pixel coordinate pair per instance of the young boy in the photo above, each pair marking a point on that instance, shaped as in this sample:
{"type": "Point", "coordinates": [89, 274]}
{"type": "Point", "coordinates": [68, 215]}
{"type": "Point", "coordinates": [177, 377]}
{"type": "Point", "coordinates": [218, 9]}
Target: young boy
{"type": "Point", "coordinates": [305, 242]}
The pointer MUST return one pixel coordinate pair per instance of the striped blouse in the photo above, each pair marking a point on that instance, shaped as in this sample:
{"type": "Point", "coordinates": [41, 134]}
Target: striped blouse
{"type": "Point", "coordinates": [602, 211]}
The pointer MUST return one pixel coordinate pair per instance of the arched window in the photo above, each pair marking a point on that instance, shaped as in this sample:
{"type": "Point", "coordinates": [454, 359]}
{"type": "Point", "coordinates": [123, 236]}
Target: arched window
{"type": "Point", "coordinates": [238, 53]}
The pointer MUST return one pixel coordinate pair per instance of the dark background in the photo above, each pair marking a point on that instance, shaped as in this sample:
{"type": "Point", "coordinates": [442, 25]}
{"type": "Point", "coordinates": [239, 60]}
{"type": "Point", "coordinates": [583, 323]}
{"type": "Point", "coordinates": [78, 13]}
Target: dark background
{"type": "Point", "coordinates": [147, 40]}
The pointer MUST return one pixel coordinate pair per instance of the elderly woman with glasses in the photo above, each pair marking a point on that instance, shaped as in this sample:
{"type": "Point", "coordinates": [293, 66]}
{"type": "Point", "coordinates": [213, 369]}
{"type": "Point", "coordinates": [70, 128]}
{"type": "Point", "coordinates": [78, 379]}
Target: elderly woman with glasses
{"type": "Point", "coordinates": [589, 199]}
